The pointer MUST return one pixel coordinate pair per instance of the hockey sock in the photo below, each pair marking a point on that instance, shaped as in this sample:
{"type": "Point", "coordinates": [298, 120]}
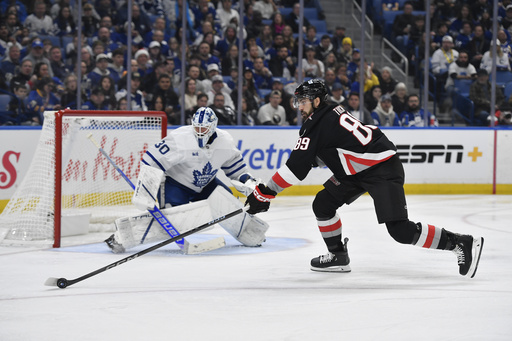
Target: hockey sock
{"type": "Point", "coordinates": [433, 237]}
{"type": "Point", "coordinates": [331, 233]}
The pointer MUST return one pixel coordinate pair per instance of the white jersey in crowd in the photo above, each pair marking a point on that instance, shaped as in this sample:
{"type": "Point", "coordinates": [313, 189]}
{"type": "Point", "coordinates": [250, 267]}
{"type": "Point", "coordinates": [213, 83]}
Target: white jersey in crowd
{"type": "Point", "coordinates": [181, 158]}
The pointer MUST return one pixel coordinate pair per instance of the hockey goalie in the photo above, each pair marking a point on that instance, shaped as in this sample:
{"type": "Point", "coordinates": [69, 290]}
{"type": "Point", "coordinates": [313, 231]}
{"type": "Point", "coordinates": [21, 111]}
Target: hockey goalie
{"type": "Point", "coordinates": [180, 173]}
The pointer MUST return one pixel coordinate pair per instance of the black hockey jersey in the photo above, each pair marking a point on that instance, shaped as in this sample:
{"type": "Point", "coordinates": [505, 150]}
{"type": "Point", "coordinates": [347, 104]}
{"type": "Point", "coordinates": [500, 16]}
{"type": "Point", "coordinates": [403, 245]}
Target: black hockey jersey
{"type": "Point", "coordinates": [336, 139]}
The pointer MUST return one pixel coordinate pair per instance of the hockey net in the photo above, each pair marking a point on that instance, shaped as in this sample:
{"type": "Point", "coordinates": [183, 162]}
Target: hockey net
{"type": "Point", "coordinates": [69, 181]}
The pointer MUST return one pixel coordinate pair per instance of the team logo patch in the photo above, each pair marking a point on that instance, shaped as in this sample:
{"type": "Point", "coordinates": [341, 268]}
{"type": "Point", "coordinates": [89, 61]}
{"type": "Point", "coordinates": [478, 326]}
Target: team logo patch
{"type": "Point", "coordinates": [201, 179]}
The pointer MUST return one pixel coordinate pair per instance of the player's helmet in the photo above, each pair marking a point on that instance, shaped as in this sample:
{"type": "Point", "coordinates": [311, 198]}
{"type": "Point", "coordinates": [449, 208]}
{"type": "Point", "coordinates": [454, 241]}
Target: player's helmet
{"type": "Point", "coordinates": [310, 89]}
{"type": "Point", "coordinates": [204, 123]}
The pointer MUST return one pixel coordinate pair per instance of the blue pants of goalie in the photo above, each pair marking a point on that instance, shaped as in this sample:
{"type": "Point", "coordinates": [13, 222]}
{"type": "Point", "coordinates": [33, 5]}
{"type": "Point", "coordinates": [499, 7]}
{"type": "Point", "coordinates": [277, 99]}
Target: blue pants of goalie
{"type": "Point", "coordinates": [176, 194]}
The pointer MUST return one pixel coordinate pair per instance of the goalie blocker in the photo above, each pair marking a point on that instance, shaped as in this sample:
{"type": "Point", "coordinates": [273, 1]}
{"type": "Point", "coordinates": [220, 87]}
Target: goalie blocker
{"type": "Point", "coordinates": [247, 229]}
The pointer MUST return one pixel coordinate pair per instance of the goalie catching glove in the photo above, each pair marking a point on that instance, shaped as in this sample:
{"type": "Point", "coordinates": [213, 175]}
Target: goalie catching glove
{"type": "Point", "coordinates": [259, 199]}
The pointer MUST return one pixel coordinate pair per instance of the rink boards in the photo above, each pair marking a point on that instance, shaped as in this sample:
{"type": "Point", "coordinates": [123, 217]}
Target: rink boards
{"type": "Point", "coordinates": [437, 161]}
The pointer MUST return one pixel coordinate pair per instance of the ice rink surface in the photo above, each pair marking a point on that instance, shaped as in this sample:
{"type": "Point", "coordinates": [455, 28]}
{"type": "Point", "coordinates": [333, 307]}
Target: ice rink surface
{"type": "Point", "coordinates": [394, 292]}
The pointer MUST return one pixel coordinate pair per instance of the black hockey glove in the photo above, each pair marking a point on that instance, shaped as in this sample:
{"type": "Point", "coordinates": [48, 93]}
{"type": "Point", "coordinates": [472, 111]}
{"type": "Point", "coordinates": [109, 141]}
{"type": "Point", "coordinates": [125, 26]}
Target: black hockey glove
{"type": "Point", "coordinates": [259, 199]}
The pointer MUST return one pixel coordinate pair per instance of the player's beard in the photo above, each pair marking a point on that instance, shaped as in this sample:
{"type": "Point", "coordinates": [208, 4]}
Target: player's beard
{"type": "Point", "coordinates": [305, 115]}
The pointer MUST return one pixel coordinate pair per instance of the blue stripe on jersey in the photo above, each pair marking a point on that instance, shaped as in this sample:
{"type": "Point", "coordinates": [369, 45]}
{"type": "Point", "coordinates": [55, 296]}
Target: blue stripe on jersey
{"type": "Point", "coordinates": [236, 170]}
{"type": "Point", "coordinates": [233, 165]}
{"type": "Point", "coordinates": [155, 160]}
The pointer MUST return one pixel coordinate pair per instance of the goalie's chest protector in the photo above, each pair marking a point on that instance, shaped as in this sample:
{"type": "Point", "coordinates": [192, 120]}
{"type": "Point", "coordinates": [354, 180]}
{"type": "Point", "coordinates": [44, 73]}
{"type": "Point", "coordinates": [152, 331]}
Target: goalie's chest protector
{"type": "Point", "coordinates": [181, 158]}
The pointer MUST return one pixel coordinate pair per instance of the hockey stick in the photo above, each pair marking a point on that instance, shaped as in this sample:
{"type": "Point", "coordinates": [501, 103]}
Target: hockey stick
{"type": "Point", "coordinates": [162, 219]}
{"type": "Point", "coordinates": [63, 282]}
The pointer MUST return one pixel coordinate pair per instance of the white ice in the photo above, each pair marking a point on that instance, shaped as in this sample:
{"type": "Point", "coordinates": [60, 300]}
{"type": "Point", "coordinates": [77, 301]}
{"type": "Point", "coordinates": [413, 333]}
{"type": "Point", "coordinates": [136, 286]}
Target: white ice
{"type": "Point", "coordinates": [394, 292]}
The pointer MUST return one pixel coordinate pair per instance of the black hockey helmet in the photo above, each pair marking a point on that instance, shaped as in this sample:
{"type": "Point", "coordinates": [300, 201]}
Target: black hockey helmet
{"type": "Point", "coordinates": [310, 89]}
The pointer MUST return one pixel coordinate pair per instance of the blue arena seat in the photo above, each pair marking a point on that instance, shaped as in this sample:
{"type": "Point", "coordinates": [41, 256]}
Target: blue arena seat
{"type": "Point", "coordinates": [503, 77]}
{"type": "Point", "coordinates": [507, 91]}
{"type": "Point", "coordinates": [55, 40]}
{"type": "Point", "coordinates": [462, 86]}
{"type": "Point", "coordinates": [321, 26]}
{"type": "Point", "coordinates": [311, 14]}
{"type": "Point", "coordinates": [285, 11]}
{"type": "Point", "coordinates": [464, 108]}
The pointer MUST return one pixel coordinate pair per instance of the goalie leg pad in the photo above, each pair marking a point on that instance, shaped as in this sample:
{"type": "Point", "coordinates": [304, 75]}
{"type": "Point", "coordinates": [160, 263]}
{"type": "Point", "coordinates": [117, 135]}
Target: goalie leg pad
{"type": "Point", "coordinates": [247, 229]}
{"type": "Point", "coordinates": [131, 231]}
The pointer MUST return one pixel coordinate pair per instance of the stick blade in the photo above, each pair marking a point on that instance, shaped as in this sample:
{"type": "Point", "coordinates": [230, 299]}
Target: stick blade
{"type": "Point", "coordinates": [51, 282]}
{"type": "Point", "coordinates": [209, 245]}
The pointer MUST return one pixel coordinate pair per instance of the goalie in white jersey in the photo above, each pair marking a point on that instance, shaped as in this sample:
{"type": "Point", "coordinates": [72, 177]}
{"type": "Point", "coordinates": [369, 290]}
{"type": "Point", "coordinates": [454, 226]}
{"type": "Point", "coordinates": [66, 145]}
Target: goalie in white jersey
{"type": "Point", "coordinates": [190, 158]}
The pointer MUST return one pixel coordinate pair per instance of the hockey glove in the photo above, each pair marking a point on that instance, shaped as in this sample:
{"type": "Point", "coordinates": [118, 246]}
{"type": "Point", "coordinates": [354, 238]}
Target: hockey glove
{"type": "Point", "coordinates": [259, 199]}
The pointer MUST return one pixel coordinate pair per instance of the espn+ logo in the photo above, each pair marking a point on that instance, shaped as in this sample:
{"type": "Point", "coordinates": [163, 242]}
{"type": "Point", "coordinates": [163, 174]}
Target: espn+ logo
{"type": "Point", "coordinates": [430, 153]}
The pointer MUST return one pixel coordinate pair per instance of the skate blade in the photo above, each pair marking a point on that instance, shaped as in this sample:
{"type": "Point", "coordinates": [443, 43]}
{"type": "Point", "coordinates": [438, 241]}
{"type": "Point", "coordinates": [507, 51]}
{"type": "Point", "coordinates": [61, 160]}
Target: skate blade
{"type": "Point", "coordinates": [478, 244]}
{"type": "Point", "coordinates": [341, 268]}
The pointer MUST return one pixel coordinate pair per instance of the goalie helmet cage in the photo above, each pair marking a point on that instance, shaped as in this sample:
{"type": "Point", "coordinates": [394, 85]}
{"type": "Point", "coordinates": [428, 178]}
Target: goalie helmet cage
{"type": "Point", "coordinates": [84, 183]}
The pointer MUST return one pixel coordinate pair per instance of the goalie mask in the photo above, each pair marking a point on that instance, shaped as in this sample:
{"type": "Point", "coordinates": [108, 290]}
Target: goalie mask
{"type": "Point", "coordinates": [204, 123]}
{"type": "Point", "coordinates": [310, 89]}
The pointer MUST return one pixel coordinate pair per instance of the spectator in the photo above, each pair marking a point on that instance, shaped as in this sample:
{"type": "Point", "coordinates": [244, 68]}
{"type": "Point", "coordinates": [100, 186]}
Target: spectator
{"type": "Point", "coordinates": [105, 37]}
{"type": "Point", "coordinates": [230, 60]}
{"type": "Point", "coordinates": [36, 55]}
{"type": "Point", "coordinates": [506, 21]}
{"type": "Point", "coordinates": [18, 110]}
{"type": "Point", "coordinates": [372, 97]}
{"type": "Point", "coordinates": [337, 93]}
{"type": "Point", "coordinates": [11, 62]}
{"type": "Point", "coordinates": [219, 87]}
{"type": "Point", "coordinates": [207, 27]}
{"type": "Point", "coordinates": [330, 61]}
{"type": "Point", "coordinates": [189, 100]}
{"type": "Point", "coordinates": [90, 23]}
{"type": "Point", "coordinates": [201, 10]}
{"type": "Point", "coordinates": [169, 97]}
{"type": "Point", "coordinates": [324, 48]}
{"type": "Point", "coordinates": [353, 107]}
{"type": "Point", "coordinates": [478, 45]}
{"type": "Point", "coordinates": [116, 67]}
{"type": "Point", "coordinates": [384, 115]}
{"type": "Point", "coordinates": [464, 16]}
{"type": "Point", "coordinates": [69, 97]}
{"type": "Point", "coordinates": [226, 13]}
{"type": "Point", "coordinates": [108, 87]}
{"type": "Point", "coordinates": [39, 23]}
{"type": "Point", "coordinates": [64, 23]}
{"type": "Point", "coordinates": [329, 79]}
{"type": "Point", "coordinates": [461, 69]}
{"type": "Point", "coordinates": [292, 19]}
{"type": "Point", "coordinates": [342, 77]}
{"type": "Point", "coordinates": [205, 56]}
{"type": "Point", "coordinates": [249, 92]}
{"type": "Point", "coordinates": [311, 66]}
{"type": "Point", "coordinates": [337, 40]}
{"type": "Point", "coordinates": [464, 37]}
{"type": "Point", "coordinates": [122, 104]}
{"type": "Point", "coordinates": [100, 70]}
{"type": "Point", "coordinates": [143, 62]}
{"type": "Point", "coordinates": [277, 25]}
{"type": "Point", "coordinates": [399, 98]}
{"type": "Point", "coordinates": [414, 116]}
{"type": "Point", "coordinates": [262, 75]}
{"type": "Point", "coordinates": [266, 39]}
{"type": "Point", "coordinates": [41, 70]}
{"type": "Point", "coordinates": [42, 99]}
{"type": "Point", "coordinates": [254, 52]}
{"type": "Point", "coordinates": [288, 39]}
{"type": "Point", "coordinates": [206, 84]}
{"type": "Point", "coordinates": [402, 25]}
{"type": "Point", "coordinates": [155, 54]}
{"type": "Point", "coordinates": [480, 94]}
{"type": "Point", "coordinates": [230, 39]}
{"type": "Point", "coordinates": [386, 81]}
{"type": "Point", "coordinates": [311, 38]}
{"type": "Point", "coordinates": [136, 96]}
{"type": "Point", "coordinates": [504, 43]}
{"type": "Point", "coordinates": [353, 65]}
{"type": "Point", "coordinates": [272, 113]}
{"type": "Point", "coordinates": [96, 101]}
{"type": "Point", "coordinates": [502, 61]}
{"type": "Point", "coordinates": [225, 114]}
{"type": "Point", "coordinates": [443, 57]}
{"type": "Point", "coordinates": [267, 8]}
{"type": "Point", "coordinates": [23, 75]}
{"type": "Point", "coordinates": [88, 59]}
{"type": "Point", "coordinates": [59, 68]}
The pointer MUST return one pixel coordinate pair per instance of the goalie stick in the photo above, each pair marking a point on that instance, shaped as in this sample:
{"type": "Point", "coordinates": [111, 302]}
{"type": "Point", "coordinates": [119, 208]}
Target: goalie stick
{"type": "Point", "coordinates": [64, 283]}
{"type": "Point", "coordinates": [162, 219]}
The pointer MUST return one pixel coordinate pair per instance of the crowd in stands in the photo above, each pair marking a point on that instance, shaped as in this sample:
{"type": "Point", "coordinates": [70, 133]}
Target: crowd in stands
{"type": "Point", "coordinates": [460, 50]}
{"type": "Point", "coordinates": [38, 56]}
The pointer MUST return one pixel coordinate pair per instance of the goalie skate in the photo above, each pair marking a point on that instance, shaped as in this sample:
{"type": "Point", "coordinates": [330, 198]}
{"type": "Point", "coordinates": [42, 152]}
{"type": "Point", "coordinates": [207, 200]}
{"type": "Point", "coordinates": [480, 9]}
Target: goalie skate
{"type": "Point", "coordinates": [332, 261]}
{"type": "Point", "coordinates": [114, 245]}
{"type": "Point", "coordinates": [468, 251]}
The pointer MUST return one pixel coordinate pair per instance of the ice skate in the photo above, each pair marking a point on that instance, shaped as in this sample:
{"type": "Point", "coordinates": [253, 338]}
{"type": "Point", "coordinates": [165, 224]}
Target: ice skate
{"type": "Point", "coordinates": [332, 261]}
{"type": "Point", "coordinates": [468, 251]}
{"type": "Point", "coordinates": [114, 245]}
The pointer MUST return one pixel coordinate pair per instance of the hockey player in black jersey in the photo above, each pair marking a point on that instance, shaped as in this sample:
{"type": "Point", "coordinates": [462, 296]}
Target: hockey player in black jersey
{"type": "Point", "coordinates": [362, 160]}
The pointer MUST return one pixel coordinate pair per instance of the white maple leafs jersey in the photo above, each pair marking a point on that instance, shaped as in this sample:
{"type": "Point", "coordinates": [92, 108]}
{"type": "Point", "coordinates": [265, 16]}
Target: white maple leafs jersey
{"type": "Point", "coordinates": [179, 156]}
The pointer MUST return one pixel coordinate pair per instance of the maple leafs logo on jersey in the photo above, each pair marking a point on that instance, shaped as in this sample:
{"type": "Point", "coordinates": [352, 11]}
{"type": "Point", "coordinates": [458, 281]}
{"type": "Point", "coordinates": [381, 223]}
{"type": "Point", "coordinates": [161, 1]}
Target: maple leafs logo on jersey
{"type": "Point", "coordinates": [202, 179]}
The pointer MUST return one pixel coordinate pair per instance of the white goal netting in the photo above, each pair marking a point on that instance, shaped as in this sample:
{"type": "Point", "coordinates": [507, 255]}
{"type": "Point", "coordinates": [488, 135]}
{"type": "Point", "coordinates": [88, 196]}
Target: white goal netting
{"type": "Point", "coordinates": [91, 189]}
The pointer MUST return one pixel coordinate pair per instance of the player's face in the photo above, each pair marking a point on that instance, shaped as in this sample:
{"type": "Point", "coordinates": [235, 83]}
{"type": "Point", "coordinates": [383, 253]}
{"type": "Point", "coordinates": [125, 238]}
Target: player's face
{"type": "Point", "coordinates": [305, 107]}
